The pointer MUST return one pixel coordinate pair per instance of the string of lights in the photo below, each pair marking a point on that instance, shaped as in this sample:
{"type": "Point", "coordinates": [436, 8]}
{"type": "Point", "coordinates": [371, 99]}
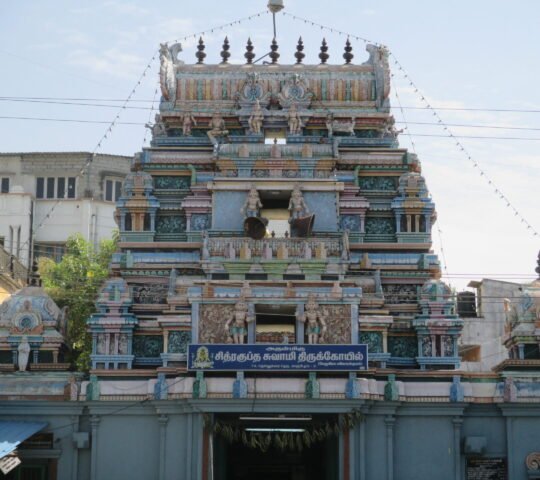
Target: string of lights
{"type": "Point", "coordinates": [147, 129]}
{"type": "Point", "coordinates": [124, 105]}
{"type": "Point", "coordinates": [432, 109]}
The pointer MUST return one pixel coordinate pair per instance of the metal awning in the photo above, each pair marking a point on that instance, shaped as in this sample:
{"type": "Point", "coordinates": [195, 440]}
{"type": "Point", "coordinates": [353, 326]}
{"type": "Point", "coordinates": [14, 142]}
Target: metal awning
{"type": "Point", "coordinates": [12, 434]}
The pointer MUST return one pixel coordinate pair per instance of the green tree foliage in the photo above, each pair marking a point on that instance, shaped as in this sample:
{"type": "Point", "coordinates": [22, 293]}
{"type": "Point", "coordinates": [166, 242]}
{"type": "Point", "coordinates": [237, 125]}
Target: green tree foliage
{"type": "Point", "coordinates": [75, 282]}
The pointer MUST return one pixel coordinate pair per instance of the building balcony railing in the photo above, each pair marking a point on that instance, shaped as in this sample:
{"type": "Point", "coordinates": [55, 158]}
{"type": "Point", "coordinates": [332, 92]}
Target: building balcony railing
{"type": "Point", "coordinates": [274, 248]}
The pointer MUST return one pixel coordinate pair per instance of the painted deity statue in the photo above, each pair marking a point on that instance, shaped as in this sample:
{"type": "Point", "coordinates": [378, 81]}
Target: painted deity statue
{"type": "Point", "coordinates": [255, 121]}
{"type": "Point", "coordinates": [236, 324]}
{"type": "Point", "coordinates": [315, 321]}
{"type": "Point", "coordinates": [187, 121]}
{"type": "Point", "coordinates": [295, 123]}
{"type": "Point", "coordinates": [253, 204]}
{"type": "Point", "coordinates": [23, 352]}
{"type": "Point", "coordinates": [297, 205]}
{"type": "Point", "coordinates": [217, 128]}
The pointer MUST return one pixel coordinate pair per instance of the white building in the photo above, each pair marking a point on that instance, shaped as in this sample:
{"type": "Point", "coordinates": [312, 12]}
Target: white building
{"type": "Point", "coordinates": [44, 197]}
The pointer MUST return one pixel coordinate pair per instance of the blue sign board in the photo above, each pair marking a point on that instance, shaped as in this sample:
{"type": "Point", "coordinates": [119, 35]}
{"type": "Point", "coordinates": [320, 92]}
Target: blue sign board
{"type": "Point", "coordinates": [268, 357]}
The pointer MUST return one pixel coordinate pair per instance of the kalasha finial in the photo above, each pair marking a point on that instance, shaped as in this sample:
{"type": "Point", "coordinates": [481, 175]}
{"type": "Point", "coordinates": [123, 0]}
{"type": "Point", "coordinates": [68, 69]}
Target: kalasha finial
{"type": "Point", "coordinates": [200, 52]}
{"type": "Point", "coordinates": [274, 55]}
{"type": "Point", "coordinates": [348, 56]}
{"type": "Point", "coordinates": [249, 51]}
{"type": "Point", "coordinates": [225, 52]}
{"type": "Point", "coordinates": [299, 54]}
{"type": "Point", "coordinates": [323, 55]}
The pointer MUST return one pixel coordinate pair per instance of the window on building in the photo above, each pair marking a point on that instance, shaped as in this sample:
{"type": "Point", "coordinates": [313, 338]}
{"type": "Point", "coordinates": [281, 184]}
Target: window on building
{"type": "Point", "coordinates": [275, 324]}
{"type": "Point", "coordinates": [4, 185]}
{"type": "Point", "coordinates": [113, 190]}
{"type": "Point", "coordinates": [54, 251]}
{"type": "Point", "coordinates": [55, 187]}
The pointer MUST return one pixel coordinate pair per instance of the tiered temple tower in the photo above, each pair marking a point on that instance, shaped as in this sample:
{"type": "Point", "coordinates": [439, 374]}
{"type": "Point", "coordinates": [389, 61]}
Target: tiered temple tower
{"type": "Point", "coordinates": [267, 190]}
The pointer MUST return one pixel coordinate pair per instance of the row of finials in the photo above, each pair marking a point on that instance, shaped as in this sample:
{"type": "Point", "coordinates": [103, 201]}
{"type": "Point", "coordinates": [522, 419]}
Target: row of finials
{"type": "Point", "coordinates": [273, 54]}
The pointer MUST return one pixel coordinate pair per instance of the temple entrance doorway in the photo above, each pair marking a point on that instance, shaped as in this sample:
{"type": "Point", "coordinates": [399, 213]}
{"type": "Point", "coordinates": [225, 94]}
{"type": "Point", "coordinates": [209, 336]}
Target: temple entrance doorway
{"type": "Point", "coordinates": [235, 460]}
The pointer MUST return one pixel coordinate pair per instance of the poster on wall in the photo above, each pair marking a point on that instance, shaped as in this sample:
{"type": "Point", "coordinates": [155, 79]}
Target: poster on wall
{"type": "Point", "coordinates": [222, 357]}
{"type": "Point", "coordinates": [486, 469]}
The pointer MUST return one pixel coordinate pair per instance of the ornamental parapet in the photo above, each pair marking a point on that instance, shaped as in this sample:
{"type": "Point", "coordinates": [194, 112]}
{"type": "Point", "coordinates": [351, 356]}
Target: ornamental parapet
{"type": "Point", "coordinates": [275, 248]}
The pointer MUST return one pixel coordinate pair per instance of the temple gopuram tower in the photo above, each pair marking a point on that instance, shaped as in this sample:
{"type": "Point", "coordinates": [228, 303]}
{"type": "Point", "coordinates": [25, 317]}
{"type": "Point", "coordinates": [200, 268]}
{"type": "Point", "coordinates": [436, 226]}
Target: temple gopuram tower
{"type": "Point", "coordinates": [275, 244]}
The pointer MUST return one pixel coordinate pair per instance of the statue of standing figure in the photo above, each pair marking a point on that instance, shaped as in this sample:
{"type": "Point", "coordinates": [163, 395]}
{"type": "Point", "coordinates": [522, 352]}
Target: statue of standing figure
{"type": "Point", "coordinates": [187, 121]}
{"type": "Point", "coordinates": [315, 320]}
{"type": "Point", "coordinates": [255, 121]}
{"type": "Point", "coordinates": [23, 352]}
{"type": "Point", "coordinates": [158, 128]}
{"type": "Point", "coordinates": [295, 123]}
{"type": "Point", "coordinates": [236, 324]}
{"type": "Point", "coordinates": [297, 205]}
{"type": "Point", "coordinates": [253, 204]}
{"type": "Point", "coordinates": [217, 128]}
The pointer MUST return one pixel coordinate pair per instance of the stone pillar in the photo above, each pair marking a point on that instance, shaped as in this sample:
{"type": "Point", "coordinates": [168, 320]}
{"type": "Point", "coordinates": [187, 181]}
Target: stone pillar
{"type": "Point", "coordinates": [428, 224]}
{"type": "Point", "coordinates": [153, 221]}
{"type": "Point", "coordinates": [354, 323]}
{"type": "Point", "coordinates": [389, 421]}
{"type": "Point", "coordinates": [299, 324]}
{"type": "Point", "coordinates": [417, 223]}
{"type": "Point", "coordinates": [165, 341]}
{"type": "Point", "coordinates": [457, 422]}
{"type": "Point", "coordinates": [385, 341]}
{"type": "Point", "coordinates": [54, 356]}
{"type": "Point", "coordinates": [35, 355]}
{"type": "Point", "coordinates": [94, 423]}
{"type": "Point", "coordinates": [123, 222]}
{"type": "Point", "coordinates": [163, 419]}
{"type": "Point", "coordinates": [433, 346]}
{"type": "Point", "coordinates": [362, 223]}
{"type": "Point", "coordinates": [521, 349]}
{"type": "Point", "coordinates": [409, 223]}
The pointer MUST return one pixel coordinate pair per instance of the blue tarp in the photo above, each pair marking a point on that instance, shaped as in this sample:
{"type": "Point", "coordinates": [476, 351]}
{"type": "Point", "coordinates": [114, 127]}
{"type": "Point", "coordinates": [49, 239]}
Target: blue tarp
{"type": "Point", "coordinates": [12, 434]}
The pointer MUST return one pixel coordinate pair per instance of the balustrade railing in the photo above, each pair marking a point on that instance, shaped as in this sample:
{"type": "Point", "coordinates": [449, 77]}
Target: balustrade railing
{"type": "Point", "coordinates": [274, 248]}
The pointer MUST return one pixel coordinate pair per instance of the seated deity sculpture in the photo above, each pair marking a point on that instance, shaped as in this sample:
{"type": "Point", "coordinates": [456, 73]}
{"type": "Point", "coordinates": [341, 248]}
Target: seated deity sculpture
{"type": "Point", "coordinates": [315, 321]}
{"type": "Point", "coordinates": [217, 128]}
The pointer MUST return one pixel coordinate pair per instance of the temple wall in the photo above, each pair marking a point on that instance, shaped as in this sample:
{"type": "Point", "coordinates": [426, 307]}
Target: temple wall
{"type": "Point", "coordinates": [414, 437]}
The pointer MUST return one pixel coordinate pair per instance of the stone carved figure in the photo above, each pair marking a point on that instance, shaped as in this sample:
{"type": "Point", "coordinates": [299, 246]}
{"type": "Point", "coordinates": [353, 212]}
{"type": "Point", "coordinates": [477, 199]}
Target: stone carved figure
{"type": "Point", "coordinates": [339, 126]}
{"type": "Point", "coordinates": [187, 121]}
{"type": "Point", "coordinates": [236, 324]}
{"type": "Point", "coordinates": [315, 319]}
{"type": "Point", "coordinates": [294, 120]}
{"type": "Point", "coordinates": [158, 127]}
{"type": "Point", "coordinates": [217, 128]}
{"type": "Point", "coordinates": [390, 130]}
{"type": "Point", "coordinates": [253, 204]}
{"type": "Point", "coordinates": [255, 121]}
{"type": "Point", "coordinates": [23, 352]}
{"type": "Point", "coordinates": [168, 58]}
{"type": "Point", "coordinates": [297, 205]}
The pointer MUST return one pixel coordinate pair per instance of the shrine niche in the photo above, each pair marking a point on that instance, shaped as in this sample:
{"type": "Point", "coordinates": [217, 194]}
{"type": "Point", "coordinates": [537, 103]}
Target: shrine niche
{"type": "Point", "coordinates": [32, 331]}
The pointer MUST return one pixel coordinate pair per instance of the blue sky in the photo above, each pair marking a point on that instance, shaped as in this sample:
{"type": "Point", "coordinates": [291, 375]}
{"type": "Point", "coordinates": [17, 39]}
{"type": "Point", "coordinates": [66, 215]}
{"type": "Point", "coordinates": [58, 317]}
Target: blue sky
{"type": "Point", "coordinates": [461, 54]}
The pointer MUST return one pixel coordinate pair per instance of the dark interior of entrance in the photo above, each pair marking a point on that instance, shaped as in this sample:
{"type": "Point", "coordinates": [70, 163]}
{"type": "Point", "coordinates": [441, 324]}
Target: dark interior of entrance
{"type": "Point", "coordinates": [237, 461]}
